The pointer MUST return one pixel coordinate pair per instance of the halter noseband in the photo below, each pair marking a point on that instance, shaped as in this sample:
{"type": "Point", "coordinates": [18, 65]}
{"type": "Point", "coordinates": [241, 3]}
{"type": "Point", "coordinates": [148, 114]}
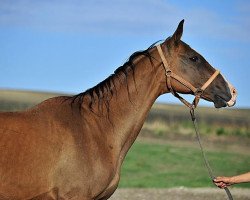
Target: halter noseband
{"type": "Point", "coordinates": [197, 91]}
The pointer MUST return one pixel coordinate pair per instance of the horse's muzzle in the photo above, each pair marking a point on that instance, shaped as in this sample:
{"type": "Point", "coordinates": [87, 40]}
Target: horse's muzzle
{"type": "Point", "coordinates": [232, 101]}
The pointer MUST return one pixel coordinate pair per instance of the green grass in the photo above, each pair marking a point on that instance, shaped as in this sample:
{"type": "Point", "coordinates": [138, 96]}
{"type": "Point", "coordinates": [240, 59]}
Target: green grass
{"type": "Point", "coordinates": [164, 166]}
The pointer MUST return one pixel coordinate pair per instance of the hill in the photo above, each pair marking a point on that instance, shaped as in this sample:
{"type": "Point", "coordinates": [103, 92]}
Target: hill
{"type": "Point", "coordinates": [17, 100]}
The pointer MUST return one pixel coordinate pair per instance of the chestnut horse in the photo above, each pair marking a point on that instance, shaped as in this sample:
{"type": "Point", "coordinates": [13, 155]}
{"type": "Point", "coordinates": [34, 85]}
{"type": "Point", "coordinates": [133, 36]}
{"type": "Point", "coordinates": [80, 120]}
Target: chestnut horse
{"type": "Point", "coordinates": [73, 147]}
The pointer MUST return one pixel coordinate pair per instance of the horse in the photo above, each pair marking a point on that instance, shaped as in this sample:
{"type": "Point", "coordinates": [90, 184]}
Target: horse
{"type": "Point", "coordinates": [72, 147]}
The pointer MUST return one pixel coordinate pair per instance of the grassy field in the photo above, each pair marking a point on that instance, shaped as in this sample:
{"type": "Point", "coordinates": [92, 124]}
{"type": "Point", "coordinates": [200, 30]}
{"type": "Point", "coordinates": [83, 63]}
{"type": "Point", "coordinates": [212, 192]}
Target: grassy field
{"type": "Point", "coordinates": [169, 120]}
{"type": "Point", "coordinates": [167, 165]}
{"type": "Point", "coordinates": [166, 154]}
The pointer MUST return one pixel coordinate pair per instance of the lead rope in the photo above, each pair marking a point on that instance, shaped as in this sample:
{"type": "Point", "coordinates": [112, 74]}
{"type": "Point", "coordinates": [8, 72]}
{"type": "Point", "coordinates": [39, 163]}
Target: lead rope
{"type": "Point", "coordinates": [210, 172]}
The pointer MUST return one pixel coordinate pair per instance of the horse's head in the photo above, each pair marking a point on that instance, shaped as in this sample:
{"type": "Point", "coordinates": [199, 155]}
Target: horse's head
{"type": "Point", "coordinates": [192, 67]}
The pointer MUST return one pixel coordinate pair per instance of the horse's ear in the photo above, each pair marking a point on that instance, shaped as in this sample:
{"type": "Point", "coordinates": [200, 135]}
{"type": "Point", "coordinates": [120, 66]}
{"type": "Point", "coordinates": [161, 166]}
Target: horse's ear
{"type": "Point", "coordinates": [178, 33]}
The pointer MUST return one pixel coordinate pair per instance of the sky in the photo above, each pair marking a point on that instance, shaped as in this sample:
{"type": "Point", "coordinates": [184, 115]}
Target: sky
{"type": "Point", "coordinates": [68, 46]}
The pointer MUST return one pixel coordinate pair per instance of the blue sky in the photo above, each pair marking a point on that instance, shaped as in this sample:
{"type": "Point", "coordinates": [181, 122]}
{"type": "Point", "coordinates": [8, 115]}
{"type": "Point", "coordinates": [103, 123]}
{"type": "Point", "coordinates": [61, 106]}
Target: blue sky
{"type": "Point", "coordinates": [69, 46]}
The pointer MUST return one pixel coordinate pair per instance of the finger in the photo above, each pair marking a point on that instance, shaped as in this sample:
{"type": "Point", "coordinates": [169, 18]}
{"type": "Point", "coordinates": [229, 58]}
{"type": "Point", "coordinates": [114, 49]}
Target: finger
{"type": "Point", "coordinates": [218, 179]}
{"type": "Point", "coordinates": [222, 179]}
{"type": "Point", "coordinates": [220, 184]}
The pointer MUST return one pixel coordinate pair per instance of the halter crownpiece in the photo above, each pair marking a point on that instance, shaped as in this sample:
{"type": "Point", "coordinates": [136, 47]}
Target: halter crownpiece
{"type": "Point", "coordinates": [196, 91]}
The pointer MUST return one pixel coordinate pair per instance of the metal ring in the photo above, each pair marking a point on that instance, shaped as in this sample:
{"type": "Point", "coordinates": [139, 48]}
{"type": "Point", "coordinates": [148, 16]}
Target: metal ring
{"type": "Point", "coordinates": [198, 92]}
{"type": "Point", "coordinates": [168, 72]}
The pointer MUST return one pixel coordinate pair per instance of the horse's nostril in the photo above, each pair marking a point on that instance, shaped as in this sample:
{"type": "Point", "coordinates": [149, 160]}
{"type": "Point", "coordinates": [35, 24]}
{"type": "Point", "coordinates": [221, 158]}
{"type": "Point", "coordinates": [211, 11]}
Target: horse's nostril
{"type": "Point", "coordinates": [234, 91]}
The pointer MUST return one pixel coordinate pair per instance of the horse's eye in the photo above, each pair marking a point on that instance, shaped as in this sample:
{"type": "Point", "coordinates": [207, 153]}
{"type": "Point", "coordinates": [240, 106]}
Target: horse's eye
{"type": "Point", "coordinates": [194, 58]}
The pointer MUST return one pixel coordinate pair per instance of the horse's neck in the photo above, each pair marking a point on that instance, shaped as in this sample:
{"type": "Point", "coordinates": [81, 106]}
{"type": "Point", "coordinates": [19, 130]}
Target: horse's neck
{"type": "Point", "coordinates": [134, 97]}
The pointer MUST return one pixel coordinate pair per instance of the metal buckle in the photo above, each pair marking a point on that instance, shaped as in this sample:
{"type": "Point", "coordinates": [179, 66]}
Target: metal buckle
{"type": "Point", "coordinates": [198, 92]}
{"type": "Point", "coordinates": [168, 72]}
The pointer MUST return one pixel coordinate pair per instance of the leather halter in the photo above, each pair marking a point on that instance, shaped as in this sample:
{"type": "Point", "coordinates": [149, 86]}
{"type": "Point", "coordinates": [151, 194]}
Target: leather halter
{"type": "Point", "coordinates": [196, 91]}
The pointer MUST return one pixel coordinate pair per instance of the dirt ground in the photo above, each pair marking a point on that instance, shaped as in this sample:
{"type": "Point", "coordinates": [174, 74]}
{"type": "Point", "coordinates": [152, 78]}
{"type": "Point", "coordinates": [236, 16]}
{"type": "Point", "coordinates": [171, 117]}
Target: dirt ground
{"type": "Point", "coordinates": [180, 194]}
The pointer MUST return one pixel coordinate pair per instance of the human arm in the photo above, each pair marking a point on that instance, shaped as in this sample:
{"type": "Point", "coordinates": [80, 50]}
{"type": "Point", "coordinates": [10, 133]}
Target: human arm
{"type": "Point", "coordinates": [223, 182]}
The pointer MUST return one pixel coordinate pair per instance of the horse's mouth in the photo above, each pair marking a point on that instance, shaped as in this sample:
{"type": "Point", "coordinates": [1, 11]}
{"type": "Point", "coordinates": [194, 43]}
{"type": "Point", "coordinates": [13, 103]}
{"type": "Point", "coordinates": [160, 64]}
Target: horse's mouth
{"type": "Point", "coordinates": [220, 102]}
{"type": "Point", "coordinates": [231, 103]}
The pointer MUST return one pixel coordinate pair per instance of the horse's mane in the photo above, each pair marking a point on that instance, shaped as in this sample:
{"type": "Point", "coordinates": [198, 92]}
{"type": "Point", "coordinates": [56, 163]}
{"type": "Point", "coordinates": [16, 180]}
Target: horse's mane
{"type": "Point", "coordinates": [106, 85]}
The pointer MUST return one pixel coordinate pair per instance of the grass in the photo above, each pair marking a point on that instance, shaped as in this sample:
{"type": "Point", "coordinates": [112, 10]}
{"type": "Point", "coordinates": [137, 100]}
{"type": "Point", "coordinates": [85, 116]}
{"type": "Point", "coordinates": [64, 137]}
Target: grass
{"type": "Point", "coordinates": [164, 166]}
{"type": "Point", "coordinates": [185, 128]}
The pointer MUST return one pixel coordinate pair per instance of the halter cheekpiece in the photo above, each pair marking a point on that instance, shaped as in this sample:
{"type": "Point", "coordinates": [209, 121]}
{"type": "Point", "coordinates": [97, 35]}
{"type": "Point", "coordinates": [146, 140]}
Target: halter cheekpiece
{"type": "Point", "coordinates": [196, 91]}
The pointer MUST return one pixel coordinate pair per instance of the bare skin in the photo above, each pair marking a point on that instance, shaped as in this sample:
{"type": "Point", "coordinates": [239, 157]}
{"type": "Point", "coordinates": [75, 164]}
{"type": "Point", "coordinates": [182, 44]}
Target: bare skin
{"type": "Point", "coordinates": [222, 181]}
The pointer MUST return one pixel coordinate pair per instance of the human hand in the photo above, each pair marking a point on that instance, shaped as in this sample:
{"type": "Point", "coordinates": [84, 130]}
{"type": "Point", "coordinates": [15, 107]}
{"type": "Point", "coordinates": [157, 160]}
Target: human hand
{"type": "Point", "coordinates": [223, 182]}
